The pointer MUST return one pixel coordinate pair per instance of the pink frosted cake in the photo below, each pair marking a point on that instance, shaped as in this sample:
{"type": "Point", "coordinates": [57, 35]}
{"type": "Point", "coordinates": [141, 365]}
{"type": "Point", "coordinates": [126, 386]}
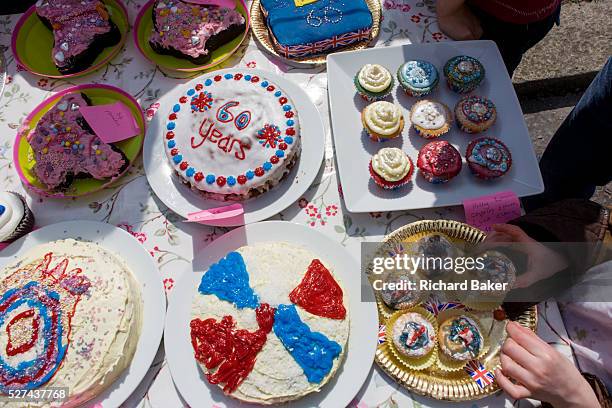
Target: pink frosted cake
{"type": "Point", "coordinates": [65, 147]}
{"type": "Point", "coordinates": [192, 31]}
{"type": "Point", "coordinates": [232, 135]}
{"type": "Point", "coordinates": [81, 29]}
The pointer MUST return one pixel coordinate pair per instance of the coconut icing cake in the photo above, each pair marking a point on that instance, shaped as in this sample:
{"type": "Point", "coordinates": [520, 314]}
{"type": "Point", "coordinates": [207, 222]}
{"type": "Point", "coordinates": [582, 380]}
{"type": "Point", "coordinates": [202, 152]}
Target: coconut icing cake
{"type": "Point", "coordinates": [70, 317]}
{"type": "Point", "coordinates": [287, 322]}
{"type": "Point", "coordinates": [232, 136]}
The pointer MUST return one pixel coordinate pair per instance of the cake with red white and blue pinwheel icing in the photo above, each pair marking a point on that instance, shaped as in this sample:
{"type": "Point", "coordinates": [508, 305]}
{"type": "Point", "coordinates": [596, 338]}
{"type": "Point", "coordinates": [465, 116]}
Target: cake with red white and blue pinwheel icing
{"type": "Point", "coordinates": [232, 136]}
{"type": "Point", "coordinates": [70, 318]}
{"type": "Point", "coordinates": [284, 312]}
{"type": "Point", "coordinates": [300, 28]}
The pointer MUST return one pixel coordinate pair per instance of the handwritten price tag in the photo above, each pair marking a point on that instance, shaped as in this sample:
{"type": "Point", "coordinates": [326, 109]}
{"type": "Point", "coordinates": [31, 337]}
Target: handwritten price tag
{"type": "Point", "coordinates": [482, 212]}
{"type": "Point", "coordinates": [111, 123]}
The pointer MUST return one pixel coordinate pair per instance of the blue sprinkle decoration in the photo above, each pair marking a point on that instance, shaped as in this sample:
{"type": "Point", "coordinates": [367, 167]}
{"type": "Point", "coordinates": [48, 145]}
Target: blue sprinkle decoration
{"type": "Point", "coordinates": [171, 144]}
{"type": "Point", "coordinates": [190, 172]}
{"type": "Point", "coordinates": [75, 147]}
{"type": "Point", "coordinates": [249, 174]}
{"type": "Point", "coordinates": [278, 93]}
{"type": "Point", "coordinates": [264, 84]}
{"type": "Point", "coordinates": [210, 179]}
{"type": "Point", "coordinates": [247, 77]}
{"type": "Point", "coordinates": [176, 108]}
{"type": "Point", "coordinates": [170, 126]}
{"type": "Point", "coordinates": [178, 158]}
{"type": "Point", "coordinates": [280, 153]}
{"type": "Point", "coordinates": [2, 209]}
{"type": "Point", "coordinates": [267, 166]}
{"type": "Point", "coordinates": [288, 140]}
{"type": "Point", "coordinates": [313, 351]}
{"type": "Point", "coordinates": [228, 76]}
{"type": "Point", "coordinates": [287, 108]}
{"type": "Point", "coordinates": [290, 122]}
{"type": "Point", "coordinates": [208, 82]}
{"type": "Point", "coordinates": [228, 279]}
{"type": "Point", "coordinates": [231, 181]}
{"type": "Point", "coordinates": [190, 92]}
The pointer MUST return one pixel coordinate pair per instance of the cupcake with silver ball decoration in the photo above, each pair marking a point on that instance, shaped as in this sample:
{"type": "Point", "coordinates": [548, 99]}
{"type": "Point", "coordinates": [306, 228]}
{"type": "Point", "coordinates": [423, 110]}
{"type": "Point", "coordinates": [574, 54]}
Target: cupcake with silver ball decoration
{"type": "Point", "coordinates": [417, 77]}
{"type": "Point", "coordinates": [463, 73]}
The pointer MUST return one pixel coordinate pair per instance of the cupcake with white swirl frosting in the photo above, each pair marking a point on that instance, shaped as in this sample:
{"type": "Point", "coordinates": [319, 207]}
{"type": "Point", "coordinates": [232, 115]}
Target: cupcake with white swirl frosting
{"type": "Point", "coordinates": [374, 82]}
{"type": "Point", "coordinates": [391, 168]}
{"type": "Point", "coordinates": [430, 119]}
{"type": "Point", "coordinates": [16, 219]}
{"type": "Point", "coordinates": [382, 121]}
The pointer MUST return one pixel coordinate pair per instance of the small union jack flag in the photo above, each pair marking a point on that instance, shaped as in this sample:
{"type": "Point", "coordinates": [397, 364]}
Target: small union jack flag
{"type": "Point", "coordinates": [382, 336]}
{"type": "Point", "coordinates": [435, 307]}
{"type": "Point", "coordinates": [396, 249]}
{"type": "Point", "coordinates": [479, 373]}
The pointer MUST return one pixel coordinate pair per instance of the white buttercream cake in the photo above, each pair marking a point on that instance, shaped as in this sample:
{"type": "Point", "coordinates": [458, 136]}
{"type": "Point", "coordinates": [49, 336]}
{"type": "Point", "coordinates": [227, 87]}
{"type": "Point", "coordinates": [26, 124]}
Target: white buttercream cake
{"type": "Point", "coordinates": [285, 314]}
{"type": "Point", "coordinates": [70, 317]}
{"type": "Point", "coordinates": [232, 136]}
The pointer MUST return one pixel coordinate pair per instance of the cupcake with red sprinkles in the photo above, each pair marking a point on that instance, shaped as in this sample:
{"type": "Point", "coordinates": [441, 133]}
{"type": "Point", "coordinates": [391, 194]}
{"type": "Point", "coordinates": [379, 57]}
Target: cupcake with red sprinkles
{"type": "Point", "coordinates": [391, 168]}
{"type": "Point", "coordinates": [488, 158]}
{"type": "Point", "coordinates": [439, 162]}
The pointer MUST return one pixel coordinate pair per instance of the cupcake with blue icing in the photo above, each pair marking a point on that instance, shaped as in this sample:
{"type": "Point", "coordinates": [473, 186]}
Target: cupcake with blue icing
{"type": "Point", "coordinates": [463, 73]}
{"type": "Point", "coordinates": [417, 77]}
{"type": "Point", "coordinates": [373, 82]}
{"type": "Point", "coordinates": [488, 158]}
{"type": "Point", "coordinates": [413, 334]}
{"type": "Point", "coordinates": [460, 339]}
{"type": "Point", "coordinates": [16, 218]}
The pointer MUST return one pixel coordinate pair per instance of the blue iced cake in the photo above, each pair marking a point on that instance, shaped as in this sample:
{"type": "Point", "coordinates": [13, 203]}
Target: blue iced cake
{"type": "Point", "coordinates": [417, 77]}
{"type": "Point", "coordinates": [301, 28]}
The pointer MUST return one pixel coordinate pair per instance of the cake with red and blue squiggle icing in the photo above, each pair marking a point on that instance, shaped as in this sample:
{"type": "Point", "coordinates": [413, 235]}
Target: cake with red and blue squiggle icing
{"type": "Point", "coordinates": [300, 28]}
{"type": "Point", "coordinates": [232, 136]}
{"type": "Point", "coordinates": [270, 323]}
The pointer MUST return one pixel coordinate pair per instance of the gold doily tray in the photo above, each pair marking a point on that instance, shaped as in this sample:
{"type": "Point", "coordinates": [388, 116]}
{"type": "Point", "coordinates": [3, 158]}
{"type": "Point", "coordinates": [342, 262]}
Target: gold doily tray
{"type": "Point", "coordinates": [432, 382]}
{"type": "Point", "coordinates": [260, 31]}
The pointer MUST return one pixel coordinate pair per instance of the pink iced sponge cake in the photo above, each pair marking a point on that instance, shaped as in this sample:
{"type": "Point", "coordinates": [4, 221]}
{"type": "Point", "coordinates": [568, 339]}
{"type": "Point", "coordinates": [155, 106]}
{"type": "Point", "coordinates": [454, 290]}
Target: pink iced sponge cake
{"type": "Point", "coordinates": [193, 31]}
{"type": "Point", "coordinates": [66, 148]}
{"type": "Point", "coordinates": [81, 30]}
{"type": "Point", "coordinates": [233, 135]}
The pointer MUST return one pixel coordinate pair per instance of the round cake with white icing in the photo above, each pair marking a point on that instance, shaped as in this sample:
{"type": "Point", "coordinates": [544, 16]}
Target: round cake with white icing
{"type": "Point", "coordinates": [286, 315]}
{"type": "Point", "coordinates": [70, 318]}
{"type": "Point", "coordinates": [232, 136]}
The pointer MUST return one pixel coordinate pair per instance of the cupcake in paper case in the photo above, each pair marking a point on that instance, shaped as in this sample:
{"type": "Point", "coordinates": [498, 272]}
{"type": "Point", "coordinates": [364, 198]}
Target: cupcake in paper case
{"type": "Point", "coordinates": [460, 338]}
{"type": "Point", "coordinates": [413, 338]}
{"type": "Point", "coordinates": [373, 82]}
{"type": "Point", "coordinates": [463, 73]}
{"type": "Point", "coordinates": [382, 121]}
{"type": "Point", "coordinates": [417, 77]}
{"type": "Point", "coordinates": [475, 114]}
{"type": "Point", "coordinates": [439, 162]}
{"type": "Point", "coordinates": [430, 119]}
{"type": "Point", "coordinates": [488, 158]}
{"type": "Point", "coordinates": [431, 248]}
{"type": "Point", "coordinates": [499, 271]}
{"type": "Point", "coordinates": [391, 168]}
{"type": "Point", "coordinates": [396, 292]}
{"type": "Point", "coordinates": [16, 218]}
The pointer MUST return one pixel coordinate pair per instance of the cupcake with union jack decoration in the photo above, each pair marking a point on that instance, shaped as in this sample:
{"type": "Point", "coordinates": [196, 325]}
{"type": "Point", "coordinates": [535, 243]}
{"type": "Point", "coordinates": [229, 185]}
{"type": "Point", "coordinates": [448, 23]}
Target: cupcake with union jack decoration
{"type": "Point", "coordinates": [391, 168]}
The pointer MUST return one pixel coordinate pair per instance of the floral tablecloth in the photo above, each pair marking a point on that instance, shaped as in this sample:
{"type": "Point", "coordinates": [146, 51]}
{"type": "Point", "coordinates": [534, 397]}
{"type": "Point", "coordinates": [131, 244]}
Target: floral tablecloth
{"type": "Point", "coordinates": [131, 205]}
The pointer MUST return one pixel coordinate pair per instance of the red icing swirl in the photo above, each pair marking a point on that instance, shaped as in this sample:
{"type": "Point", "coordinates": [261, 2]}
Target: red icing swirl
{"type": "Point", "coordinates": [319, 293]}
{"type": "Point", "coordinates": [234, 352]}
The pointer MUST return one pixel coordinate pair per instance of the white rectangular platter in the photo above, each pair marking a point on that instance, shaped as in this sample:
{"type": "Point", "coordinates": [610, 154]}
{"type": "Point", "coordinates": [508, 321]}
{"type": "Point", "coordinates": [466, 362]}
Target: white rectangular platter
{"type": "Point", "coordinates": [354, 149]}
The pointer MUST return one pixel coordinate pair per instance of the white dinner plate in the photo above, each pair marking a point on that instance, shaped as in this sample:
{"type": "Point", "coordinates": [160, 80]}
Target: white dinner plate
{"type": "Point", "coordinates": [354, 149]}
{"type": "Point", "coordinates": [146, 273]}
{"type": "Point", "coordinates": [351, 375]}
{"type": "Point", "coordinates": [182, 200]}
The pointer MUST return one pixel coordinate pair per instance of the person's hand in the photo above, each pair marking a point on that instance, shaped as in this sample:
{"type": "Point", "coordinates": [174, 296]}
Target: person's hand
{"type": "Point", "coordinates": [457, 21]}
{"type": "Point", "coordinates": [541, 372]}
{"type": "Point", "coordinates": [542, 262]}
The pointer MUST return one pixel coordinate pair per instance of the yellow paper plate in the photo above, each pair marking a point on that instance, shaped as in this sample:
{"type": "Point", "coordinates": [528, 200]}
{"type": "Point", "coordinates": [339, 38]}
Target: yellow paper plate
{"type": "Point", "coordinates": [32, 42]}
{"type": "Point", "coordinates": [143, 27]}
{"type": "Point", "coordinates": [23, 155]}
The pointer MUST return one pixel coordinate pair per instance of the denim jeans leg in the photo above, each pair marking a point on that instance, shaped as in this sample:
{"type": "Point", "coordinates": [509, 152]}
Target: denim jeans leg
{"type": "Point", "coordinates": [578, 157]}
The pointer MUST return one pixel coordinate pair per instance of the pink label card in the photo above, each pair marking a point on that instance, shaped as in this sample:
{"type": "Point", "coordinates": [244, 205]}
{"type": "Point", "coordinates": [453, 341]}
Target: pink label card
{"type": "Point", "coordinates": [230, 4]}
{"type": "Point", "coordinates": [218, 214]}
{"type": "Point", "coordinates": [482, 212]}
{"type": "Point", "coordinates": [111, 123]}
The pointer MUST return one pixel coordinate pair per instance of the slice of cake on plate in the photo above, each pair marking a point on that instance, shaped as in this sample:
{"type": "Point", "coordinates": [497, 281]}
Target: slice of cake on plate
{"type": "Point", "coordinates": [193, 31]}
{"type": "Point", "coordinates": [300, 28]}
{"type": "Point", "coordinates": [81, 30]}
